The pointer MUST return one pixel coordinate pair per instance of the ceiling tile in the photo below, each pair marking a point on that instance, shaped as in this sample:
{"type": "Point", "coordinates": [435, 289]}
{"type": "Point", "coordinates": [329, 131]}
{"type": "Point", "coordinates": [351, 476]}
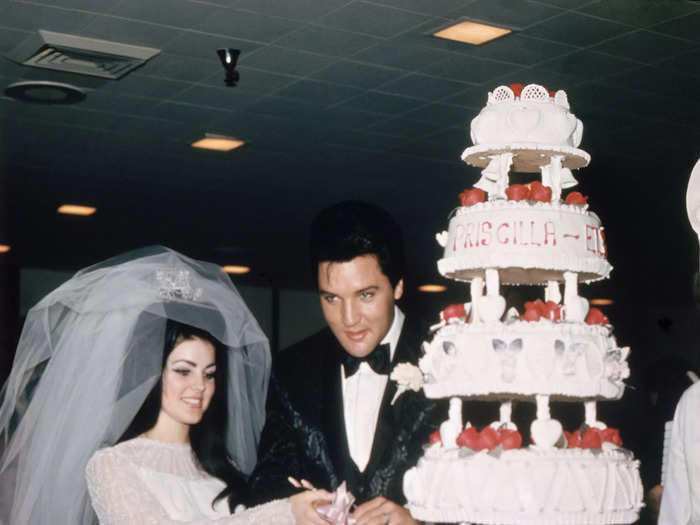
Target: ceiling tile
{"type": "Point", "coordinates": [252, 80]}
{"type": "Point", "coordinates": [285, 108]}
{"type": "Point", "coordinates": [287, 61]}
{"type": "Point", "coordinates": [10, 38]}
{"type": "Point", "coordinates": [597, 65]}
{"type": "Point", "coordinates": [382, 103]}
{"type": "Point", "coordinates": [181, 112]}
{"type": "Point", "coordinates": [321, 93]}
{"type": "Point", "coordinates": [340, 117]}
{"type": "Point", "coordinates": [688, 63]}
{"type": "Point", "coordinates": [474, 97]}
{"type": "Point", "coordinates": [204, 45]}
{"type": "Point", "coordinates": [469, 69]}
{"type": "Point", "coordinates": [577, 29]}
{"type": "Point", "coordinates": [443, 115]}
{"type": "Point", "coordinates": [228, 99]}
{"type": "Point", "coordinates": [128, 31]}
{"type": "Point", "coordinates": [507, 13]}
{"type": "Point", "coordinates": [442, 8]}
{"type": "Point", "coordinates": [244, 25]}
{"type": "Point", "coordinates": [680, 86]}
{"type": "Point", "coordinates": [327, 41]}
{"type": "Point", "coordinates": [683, 27]}
{"type": "Point", "coordinates": [180, 67]}
{"type": "Point", "coordinates": [18, 15]}
{"type": "Point", "coordinates": [305, 10]}
{"type": "Point", "coordinates": [639, 13]}
{"type": "Point", "coordinates": [364, 140]}
{"type": "Point", "coordinates": [401, 54]}
{"type": "Point", "coordinates": [355, 74]}
{"type": "Point", "coordinates": [517, 48]}
{"type": "Point", "coordinates": [372, 19]}
{"type": "Point", "coordinates": [567, 4]}
{"type": "Point", "coordinates": [176, 13]}
{"type": "Point", "coordinates": [119, 103]}
{"type": "Point", "coordinates": [422, 86]}
{"type": "Point", "coordinates": [644, 46]}
{"type": "Point", "coordinates": [146, 86]}
{"type": "Point", "coordinates": [403, 127]}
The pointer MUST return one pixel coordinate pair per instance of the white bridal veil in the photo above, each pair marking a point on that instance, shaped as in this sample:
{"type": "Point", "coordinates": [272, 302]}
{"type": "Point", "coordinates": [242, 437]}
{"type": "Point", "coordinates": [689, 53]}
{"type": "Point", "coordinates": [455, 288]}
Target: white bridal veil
{"type": "Point", "coordinates": [90, 352]}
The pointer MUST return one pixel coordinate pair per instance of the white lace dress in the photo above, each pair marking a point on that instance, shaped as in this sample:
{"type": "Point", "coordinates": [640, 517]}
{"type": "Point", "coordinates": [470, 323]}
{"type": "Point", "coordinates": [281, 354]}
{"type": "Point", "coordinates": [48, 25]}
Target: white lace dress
{"type": "Point", "coordinates": [143, 481]}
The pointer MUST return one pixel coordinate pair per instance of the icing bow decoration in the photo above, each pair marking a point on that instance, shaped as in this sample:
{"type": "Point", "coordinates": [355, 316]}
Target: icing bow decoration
{"type": "Point", "coordinates": [338, 511]}
{"type": "Point", "coordinates": [408, 377]}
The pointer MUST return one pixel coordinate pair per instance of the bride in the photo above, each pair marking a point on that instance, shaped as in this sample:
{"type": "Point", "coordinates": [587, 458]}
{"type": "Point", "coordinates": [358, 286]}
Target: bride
{"type": "Point", "coordinates": [138, 391]}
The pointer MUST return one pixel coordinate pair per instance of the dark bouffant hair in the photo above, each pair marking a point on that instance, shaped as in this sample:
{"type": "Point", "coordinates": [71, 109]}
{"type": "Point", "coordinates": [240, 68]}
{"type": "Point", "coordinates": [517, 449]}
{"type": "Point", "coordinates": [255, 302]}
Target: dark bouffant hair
{"type": "Point", "coordinates": [349, 229]}
{"type": "Point", "coordinates": [207, 437]}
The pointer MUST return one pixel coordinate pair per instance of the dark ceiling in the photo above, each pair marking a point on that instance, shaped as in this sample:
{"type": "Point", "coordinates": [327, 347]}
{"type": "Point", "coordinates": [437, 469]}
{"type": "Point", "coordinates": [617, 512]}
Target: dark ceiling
{"type": "Point", "coordinates": [343, 99]}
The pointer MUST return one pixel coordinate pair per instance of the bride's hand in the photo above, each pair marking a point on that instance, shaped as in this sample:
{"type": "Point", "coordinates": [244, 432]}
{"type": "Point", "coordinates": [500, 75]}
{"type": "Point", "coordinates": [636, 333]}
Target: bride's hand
{"type": "Point", "coordinates": [304, 506]}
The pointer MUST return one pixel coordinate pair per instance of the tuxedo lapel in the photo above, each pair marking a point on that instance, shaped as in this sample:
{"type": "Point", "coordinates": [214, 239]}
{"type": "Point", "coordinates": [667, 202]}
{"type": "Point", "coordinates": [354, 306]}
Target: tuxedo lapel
{"type": "Point", "coordinates": [334, 416]}
{"type": "Point", "coordinates": [387, 421]}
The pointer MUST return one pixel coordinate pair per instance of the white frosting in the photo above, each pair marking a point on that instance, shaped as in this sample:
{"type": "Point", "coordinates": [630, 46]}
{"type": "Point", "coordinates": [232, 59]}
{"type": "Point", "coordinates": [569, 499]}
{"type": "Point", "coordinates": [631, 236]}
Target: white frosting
{"type": "Point", "coordinates": [525, 486]}
{"type": "Point", "coordinates": [538, 119]}
{"type": "Point", "coordinates": [523, 358]}
{"type": "Point", "coordinates": [531, 243]}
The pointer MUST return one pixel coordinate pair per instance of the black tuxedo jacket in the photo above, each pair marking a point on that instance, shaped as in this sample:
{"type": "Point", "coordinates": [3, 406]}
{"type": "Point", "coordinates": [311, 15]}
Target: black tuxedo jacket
{"type": "Point", "coordinates": [304, 434]}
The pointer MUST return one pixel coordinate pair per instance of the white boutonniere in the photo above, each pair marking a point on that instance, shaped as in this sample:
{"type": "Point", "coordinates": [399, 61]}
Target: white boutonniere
{"type": "Point", "coordinates": [408, 377]}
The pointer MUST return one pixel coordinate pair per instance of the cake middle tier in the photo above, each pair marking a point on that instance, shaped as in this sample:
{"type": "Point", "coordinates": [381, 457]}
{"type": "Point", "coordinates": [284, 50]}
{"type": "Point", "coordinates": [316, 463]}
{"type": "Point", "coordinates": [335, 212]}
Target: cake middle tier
{"type": "Point", "coordinates": [521, 359]}
{"type": "Point", "coordinates": [529, 243]}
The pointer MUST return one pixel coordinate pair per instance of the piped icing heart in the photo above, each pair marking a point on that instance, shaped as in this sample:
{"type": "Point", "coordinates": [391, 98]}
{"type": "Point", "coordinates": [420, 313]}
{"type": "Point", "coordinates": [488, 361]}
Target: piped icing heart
{"type": "Point", "coordinates": [491, 307]}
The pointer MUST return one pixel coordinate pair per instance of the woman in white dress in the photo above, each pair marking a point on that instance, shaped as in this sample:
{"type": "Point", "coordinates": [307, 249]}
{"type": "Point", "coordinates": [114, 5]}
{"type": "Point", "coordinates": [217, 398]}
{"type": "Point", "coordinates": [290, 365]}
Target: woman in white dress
{"type": "Point", "coordinates": [138, 384]}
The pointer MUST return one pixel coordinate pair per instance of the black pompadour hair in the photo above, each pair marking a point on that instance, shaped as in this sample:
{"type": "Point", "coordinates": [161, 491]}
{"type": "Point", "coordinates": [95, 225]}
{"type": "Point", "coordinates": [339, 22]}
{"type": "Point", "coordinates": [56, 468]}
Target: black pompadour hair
{"type": "Point", "coordinates": [350, 229]}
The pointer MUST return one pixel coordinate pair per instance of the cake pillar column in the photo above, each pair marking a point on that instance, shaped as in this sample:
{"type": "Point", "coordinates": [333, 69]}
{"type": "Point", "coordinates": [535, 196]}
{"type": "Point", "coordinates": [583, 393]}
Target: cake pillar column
{"type": "Point", "coordinates": [545, 431]}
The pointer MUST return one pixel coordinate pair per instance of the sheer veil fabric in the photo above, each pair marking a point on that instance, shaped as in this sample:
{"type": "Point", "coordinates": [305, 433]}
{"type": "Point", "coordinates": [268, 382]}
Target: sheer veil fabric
{"type": "Point", "coordinates": [90, 352]}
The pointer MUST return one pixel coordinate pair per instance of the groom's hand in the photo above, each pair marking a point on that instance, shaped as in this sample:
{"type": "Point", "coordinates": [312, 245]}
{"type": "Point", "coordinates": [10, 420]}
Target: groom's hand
{"type": "Point", "coordinates": [381, 511]}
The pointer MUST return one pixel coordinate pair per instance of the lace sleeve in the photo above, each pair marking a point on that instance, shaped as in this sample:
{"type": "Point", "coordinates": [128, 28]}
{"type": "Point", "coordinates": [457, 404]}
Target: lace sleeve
{"type": "Point", "coordinates": [120, 498]}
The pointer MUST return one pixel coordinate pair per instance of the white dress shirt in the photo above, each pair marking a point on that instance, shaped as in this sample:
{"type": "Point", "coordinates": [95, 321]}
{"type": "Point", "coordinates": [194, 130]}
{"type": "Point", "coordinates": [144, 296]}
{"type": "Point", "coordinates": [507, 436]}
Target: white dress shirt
{"type": "Point", "coordinates": [362, 398]}
{"type": "Point", "coordinates": [680, 502]}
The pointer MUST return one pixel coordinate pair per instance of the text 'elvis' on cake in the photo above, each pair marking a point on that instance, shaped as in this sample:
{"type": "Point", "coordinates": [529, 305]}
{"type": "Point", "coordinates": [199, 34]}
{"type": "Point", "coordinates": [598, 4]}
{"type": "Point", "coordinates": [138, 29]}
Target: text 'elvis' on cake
{"type": "Point", "coordinates": [556, 347]}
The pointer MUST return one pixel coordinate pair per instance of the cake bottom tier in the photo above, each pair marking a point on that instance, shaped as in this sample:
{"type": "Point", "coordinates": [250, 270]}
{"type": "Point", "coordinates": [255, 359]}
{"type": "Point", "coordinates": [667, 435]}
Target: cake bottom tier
{"type": "Point", "coordinates": [525, 487]}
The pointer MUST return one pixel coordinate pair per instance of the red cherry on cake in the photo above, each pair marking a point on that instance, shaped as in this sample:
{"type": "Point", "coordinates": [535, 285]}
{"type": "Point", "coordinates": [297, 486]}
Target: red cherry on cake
{"type": "Point", "coordinates": [576, 197]}
{"type": "Point", "coordinates": [517, 192]}
{"type": "Point", "coordinates": [469, 437]}
{"type": "Point", "coordinates": [552, 311]}
{"type": "Point", "coordinates": [516, 89]}
{"type": "Point", "coordinates": [471, 197]}
{"type": "Point", "coordinates": [488, 438]}
{"type": "Point", "coordinates": [539, 192]}
{"type": "Point", "coordinates": [611, 435]}
{"type": "Point", "coordinates": [454, 311]}
{"type": "Point", "coordinates": [534, 311]}
{"type": "Point", "coordinates": [591, 438]}
{"type": "Point", "coordinates": [435, 437]}
{"type": "Point", "coordinates": [573, 439]}
{"type": "Point", "coordinates": [595, 316]}
{"type": "Point", "coordinates": [510, 438]}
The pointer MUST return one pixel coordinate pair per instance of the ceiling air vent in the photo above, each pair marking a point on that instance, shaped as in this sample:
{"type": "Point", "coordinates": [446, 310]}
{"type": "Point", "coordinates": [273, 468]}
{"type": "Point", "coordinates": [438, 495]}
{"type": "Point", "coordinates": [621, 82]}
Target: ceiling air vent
{"type": "Point", "coordinates": [77, 54]}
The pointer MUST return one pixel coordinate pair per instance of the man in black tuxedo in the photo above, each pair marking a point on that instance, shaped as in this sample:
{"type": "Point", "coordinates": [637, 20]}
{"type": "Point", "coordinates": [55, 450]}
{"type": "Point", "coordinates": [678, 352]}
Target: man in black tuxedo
{"type": "Point", "coordinates": [330, 417]}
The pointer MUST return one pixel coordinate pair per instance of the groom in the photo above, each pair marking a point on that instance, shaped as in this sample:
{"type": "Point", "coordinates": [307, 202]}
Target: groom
{"type": "Point", "coordinates": [330, 417]}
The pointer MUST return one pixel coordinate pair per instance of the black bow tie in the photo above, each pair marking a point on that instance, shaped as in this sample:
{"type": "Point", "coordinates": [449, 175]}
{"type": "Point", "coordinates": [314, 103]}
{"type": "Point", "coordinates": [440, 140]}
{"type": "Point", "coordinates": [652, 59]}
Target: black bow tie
{"type": "Point", "coordinates": [378, 360]}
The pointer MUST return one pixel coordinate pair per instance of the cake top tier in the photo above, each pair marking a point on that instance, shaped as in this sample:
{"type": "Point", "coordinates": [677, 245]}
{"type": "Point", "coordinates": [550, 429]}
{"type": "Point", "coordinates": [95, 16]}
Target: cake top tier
{"type": "Point", "coordinates": [532, 92]}
{"type": "Point", "coordinates": [532, 124]}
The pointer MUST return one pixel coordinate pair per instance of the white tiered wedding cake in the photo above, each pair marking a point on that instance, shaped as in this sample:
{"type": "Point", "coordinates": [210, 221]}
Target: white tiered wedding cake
{"type": "Point", "coordinates": [558, 348]}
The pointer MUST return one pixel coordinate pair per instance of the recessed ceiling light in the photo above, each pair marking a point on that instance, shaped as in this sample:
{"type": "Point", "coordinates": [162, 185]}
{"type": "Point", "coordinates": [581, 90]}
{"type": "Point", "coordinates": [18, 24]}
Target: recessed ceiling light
{"type": "Point", "coordinates": [432, 288]}
{"type": "Point", "coordinates": [4, 248]}
{"type": "Point", "coordinates": [602, 302]}
{"type": "Point", "coordinates": [76, 209]}
{"type": "Point", "coordinates": [217, 142]}
{"type": "Point", "coordinates": [235, 269]}
{"type": "Point", "coordinates": [45, 92]}
{"type": "Point", "coordinates": [471, 33]}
